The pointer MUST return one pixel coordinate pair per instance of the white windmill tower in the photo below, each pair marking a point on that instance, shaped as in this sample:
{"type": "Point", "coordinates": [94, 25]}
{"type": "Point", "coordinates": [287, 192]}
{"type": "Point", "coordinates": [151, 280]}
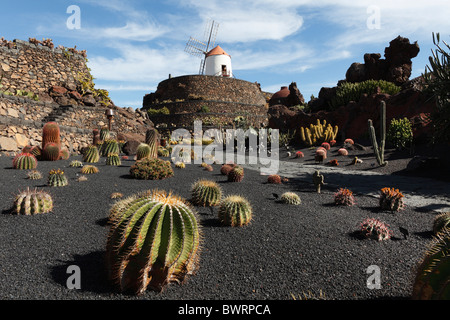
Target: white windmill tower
{"type": "Point", "coordinates": [215, 62]}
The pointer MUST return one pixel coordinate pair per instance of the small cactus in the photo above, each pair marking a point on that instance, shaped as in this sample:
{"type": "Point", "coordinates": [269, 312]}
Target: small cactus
{"type": "Point", "coordinates": [34, 175]}
{"type": "Point", "coordinates": [226, 168]}
{"type": "Point", "coordinates": [89, 169]}
{"type": "Point", "coordinates": [326, 145]}
{"type": "Point", "coordinates": [143, 151]}
{"type": "Point", "coordinates": [441, 221]}
{"type": "Point", "coordinates": [57, 178]}
{"type": "Point", "coordinates": [30, 202]}
{"type": "Point", "coordinates": [342, 152]}
{"type": "Point", "coordinates": [375, 229]}
{"type": "Point", "coordinates": [24, 161]}
{"type": "Point", "coordinates": [76, 164]}
{"type": "Point", "coordinates": [334, 163]}
{"type": "Point", "coordinates": [91, 154]}
{"type": "Point", "coordinates": [318, 180]}
{"type": "Point", "coordinates": [163, 152]}
{"type": "Point", "coordinates": [290, 198]}
{"type": "Point", "coordinates": [236, 174]}
{"type": "Point", "coordinates": [180, 165]}
{"type": "Point", "coordinates": [344, 197]}
{"type": "Point", "coordinates": [235, 211]}
{"type": "Point", "coordinates": [349, 141]}
{"type": "Point", "coordinates": [274, 179]}
{"type": "Point", "coordinates": [113, 159]}
{"type": "Point", "coordinates": [206, 193]}
{"type": "Point", "coordinates": [391, 199]}
{"type": "Point", "coordinates": [299, 154]}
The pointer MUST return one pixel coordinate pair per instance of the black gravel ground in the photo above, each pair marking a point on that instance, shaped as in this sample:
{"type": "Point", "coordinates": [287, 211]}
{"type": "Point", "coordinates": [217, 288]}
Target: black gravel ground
{"type": "Point", "coordinates": [285, 251]}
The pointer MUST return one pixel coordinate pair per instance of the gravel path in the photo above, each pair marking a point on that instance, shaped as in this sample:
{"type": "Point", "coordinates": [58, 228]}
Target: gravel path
{"type": "Point", "coordinates": [286, 249]}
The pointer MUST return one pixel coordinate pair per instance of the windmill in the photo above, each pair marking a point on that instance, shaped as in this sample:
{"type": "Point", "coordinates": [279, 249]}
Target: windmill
{"type": "Point", "coordinates": [201, 48]}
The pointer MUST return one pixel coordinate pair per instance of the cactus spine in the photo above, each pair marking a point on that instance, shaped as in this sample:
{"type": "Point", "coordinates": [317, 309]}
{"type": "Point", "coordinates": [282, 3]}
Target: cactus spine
{"type": "Point", "coordinates": [24, 161]}
{"type": "Point", "coordinates": [235, 211]}
{"type": "Point", "coordinates": [30, 202]}
{"type": "Point", "coordinates": [379, 150]}
{"type": "Point", "coordinates": [154, 240]}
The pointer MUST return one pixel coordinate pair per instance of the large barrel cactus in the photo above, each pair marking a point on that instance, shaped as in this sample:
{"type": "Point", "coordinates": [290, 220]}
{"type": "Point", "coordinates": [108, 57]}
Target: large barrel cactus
{"type": "Point", "coordinates": [31, 202]}
{"type": "Point", "coordinates": [109, 146]}
{"type": "Point", "coordinates": [51, 133]}
{"type": "Point", "coordinates": [154, 240]}
{"type": "Point", "coordinates": [51, 151]}
{"type": "Point", "coordinates": [433, 273]}
{"type": "Point", "coordinates": [24, 161]}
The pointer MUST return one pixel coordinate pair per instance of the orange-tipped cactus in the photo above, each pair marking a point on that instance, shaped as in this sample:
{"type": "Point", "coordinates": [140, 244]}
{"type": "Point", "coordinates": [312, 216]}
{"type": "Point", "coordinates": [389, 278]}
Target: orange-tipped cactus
{"type": "Point", "coordinates": [51, 133]}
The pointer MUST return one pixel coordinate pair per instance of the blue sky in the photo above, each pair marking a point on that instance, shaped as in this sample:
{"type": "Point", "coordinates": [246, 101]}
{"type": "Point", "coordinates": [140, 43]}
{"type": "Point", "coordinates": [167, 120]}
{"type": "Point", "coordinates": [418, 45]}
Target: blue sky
{"type": "Point", "coordinates": [134, 45]}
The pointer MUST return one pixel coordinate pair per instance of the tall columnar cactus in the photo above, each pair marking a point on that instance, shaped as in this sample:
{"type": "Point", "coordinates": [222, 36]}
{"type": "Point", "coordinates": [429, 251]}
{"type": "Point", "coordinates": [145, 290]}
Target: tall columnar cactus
{"type": "Point", "coordinates": [104, 134]}
{"type": "Point", "coordinates": [91, 154]}
{"type": "Point", "coordinates": [51, 151]}
{"type": "Point", "coordinates": [113, 159]}
{"type": "Point", "coordinates": [318, 180]}
{"type": "Point", "coordinates": [51, 133]}
{"type": "Point", "coordinates": [379, 150]}
{"type": "Point", "coordinates": [432, 280]}
{"type": "Point", "coordinates": [30, 202]}
{"type": "Point", "coordinates": [154, 240]}
{"type": "Point", "coordinates": [25, 161]}
{"type": "Point", "coordinates": [151, 139]}
{"type": "Point", "coordinates": [235, 211]}
{"type": "Point", "coordinates": [143, 151]}
{"type": "Point", "coordinates": [57, 178]}
{"type": "Point", "coordinates": [206, 193]}
{"type": "Point", "coordinates": [109, 146]}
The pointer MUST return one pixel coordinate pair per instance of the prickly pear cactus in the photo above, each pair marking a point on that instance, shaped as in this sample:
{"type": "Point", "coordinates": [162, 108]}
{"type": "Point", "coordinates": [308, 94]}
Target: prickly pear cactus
{"type": "Point", "coordinates": [24, 161]}
{"type": "Point", "coordinates": [31, 202]}
{"type": "Point", "coordinates": [432, 280]}
{"type": "Point", "coordinates": [206, 193]}
{"type": "Point", "coordinates": [57, 178]}
{"type": "Point", "coordinates": [235, 211]}
{"type": "Point", "coordinates": [154, 240]}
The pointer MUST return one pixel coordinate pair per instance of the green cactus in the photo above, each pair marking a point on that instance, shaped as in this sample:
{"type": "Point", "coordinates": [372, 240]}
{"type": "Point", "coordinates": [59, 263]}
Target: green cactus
{"type": "Point", "coordinates": [180, 165]}
{"type": "Point", "coordinates": [318, 180]}
{"type": "Point", "coordinates": [104, 134]}
{"type": "Point", "coordinates": [57, 178]}
{"type": "Point", "coordinates": [64, 154]}
{"type": "Point", "coordinates": [51, 151]}
{"type": "Point", "coordinates": [89, 169]}
{"type": "Point", "coordinates": [290, 198]}
{"type": "Point", "coordinates": [30, 202]}
{"type": "Point", "coordinates": [236, 174]}
{"type": "Point", "coordinates": [91, 154]}
{"type": "Point", "coordinates": [36, 151]}
{"type": "Point", "coordinates": [34, 175]}
{"type": "Point", "coordinates": [206, 193]}
{"type": "Point", "coordinates": [24, 161]}
{"type": "Point", "coordinates": [113, 159]}
{"type": "Point", "coordinates": [151, 139]}
{"type": "Point", "coordinates": [151, 169]}
{"type": "Point", "coordinates": [163, 152]}
{"type": "Point", "coordinates": [432, 280]}
{"type": "Point", "coordinates": [76, 164]}
{"type": "Point", "coordinates": [441, 221]}
{"type": "Point", "coordinates": [155, 240]}
{"type": "Point", "coordinates": [235, 211]}
{"type": "Point", "coordinates": [109, 146]}
{"type": "Point", "coordinates": [143, 151]}
{"type": "Point", "coordinates": [379, 150]}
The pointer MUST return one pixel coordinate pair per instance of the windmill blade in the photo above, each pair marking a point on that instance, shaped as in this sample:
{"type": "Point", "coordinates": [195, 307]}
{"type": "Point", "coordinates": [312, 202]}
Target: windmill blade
{"type": "Point", "coordinates": [195, 47]}
{"type": "Point", "coordinates": [211, 34]}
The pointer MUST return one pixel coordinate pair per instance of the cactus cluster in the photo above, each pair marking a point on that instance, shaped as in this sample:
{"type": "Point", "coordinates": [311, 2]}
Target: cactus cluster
{"type": "Point", "coordinates": [51, 149]}
{"type": "Point", "coordinates": [151, 169]}
{"type": "Point", "coordinates": [344, 197]}
{"type": "Point", "coordinates": [391, 199]}
{"type": "Point", "coordinates": [432, 280]}
{"type": "Point", "coordinates": [319, 133]}
{"type": "Point", "coordinates": [153, 241]}
{"type": "Point", "coordinates": [57, 178]}
{"type": "Point", "coordinates": [235, 211]}
{"type": "Point", "coordinates": [31, 202]}
{"type": "Point", "coordinates": [206, 193]}
{"type": "Point", "coordinates": [375, 229]}
{"type": "Point", "coordinates": [290, 198]}
{"type": "Point", "coordinates": [25, 161]}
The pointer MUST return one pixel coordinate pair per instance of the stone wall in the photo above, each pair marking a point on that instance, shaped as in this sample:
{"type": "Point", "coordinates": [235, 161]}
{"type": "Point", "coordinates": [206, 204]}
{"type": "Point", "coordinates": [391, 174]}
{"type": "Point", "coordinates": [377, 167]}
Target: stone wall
{"type": "Point", "coordinates": [223, 98]}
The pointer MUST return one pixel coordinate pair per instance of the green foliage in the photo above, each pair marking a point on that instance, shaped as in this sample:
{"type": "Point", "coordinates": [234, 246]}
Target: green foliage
{"type": "Point", "coordinates": [157, 112]}
{"type": "Point", "coordinates": [349, 91]}
{"type": "Point", "coordinates": [151, 169]}
{"type": "Point", "coordinates": [204, 109]}
{"type": "Point", "coordinates": [154, 240]}
{"type": "Point", "coordinates": [437, 79]}
{"type": "Point", "coordinates": [400, 133]}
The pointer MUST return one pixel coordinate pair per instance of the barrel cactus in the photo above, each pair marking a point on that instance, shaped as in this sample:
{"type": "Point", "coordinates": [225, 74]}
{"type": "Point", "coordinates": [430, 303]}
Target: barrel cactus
{"type": "Point", "coordinates": [113, 159]}
{"type": "Point", "coordinates": [151, 139]}
{"type": "Point", "coordinates": [104, 134]}
{"type": "Point", "coordinates": [91, 154]}
{"type": "Point", "coordinates": [89, 169]}
{"type": "Point", "coordinates": [274, 179]}
{"type": "Point", "coordinates": [109, 146]}
{"type": "Point", "coordinates": [432, 280]}
{"type": "Point", "coordinates": [76, 164]}
{"type": "Point", "coordinates": [441, 221]}
{"type": "Point", "coordinates": [34, 175]}
{"type": "Point", "coordinates": [290, 198]}
{"type": "Point", "coordinates": [206, 193]}
{"type": "Point", "coordinates": [51, 152]}
{"type": "Point", "coordinates": [163, 152]}
{"type": "Point", "coordinates": [344, 197]}
{"type": "Point", "coordinates": [57, 178]}
{"type": "Point", "coordinates": [31, 202]}
{"type": "Point", "coordinates": [236, 174]}
{"type": "Point", "coordinates": [143, 151]}
{"type": "Point", "coordinates": [64, 154]}
{"type": "Point", "coordinates": [51, 133]}
{"type": "Point", "coordinates": [180, 165]}
{"type": "Point", "coordinates": [151, 169]}
{"type": "Point", "coordinates": [226, 168]}
{"type": "Point", "coordinates": [24, 161]}
{"type": "Point", "coordinates": [391, 199]}
{"type": "Point", "coordinates": [154, 241]}
{"type": "Point", "coordinates": [375, 229]}
{"type": "Point", "coordinates": [235, 211]}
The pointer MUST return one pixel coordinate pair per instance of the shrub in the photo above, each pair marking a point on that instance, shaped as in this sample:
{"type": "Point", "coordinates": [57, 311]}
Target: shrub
{"type": "Point", "coordinates": [400, 133]}
{"type": "Point", "coordinates": [157, 112]}
{"type": "Point", "coordinates": [151, 169]}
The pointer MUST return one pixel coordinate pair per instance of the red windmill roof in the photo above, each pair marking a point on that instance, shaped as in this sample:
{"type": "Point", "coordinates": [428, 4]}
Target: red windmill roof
{"type": "Point", "coordinates": [217, 51]}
